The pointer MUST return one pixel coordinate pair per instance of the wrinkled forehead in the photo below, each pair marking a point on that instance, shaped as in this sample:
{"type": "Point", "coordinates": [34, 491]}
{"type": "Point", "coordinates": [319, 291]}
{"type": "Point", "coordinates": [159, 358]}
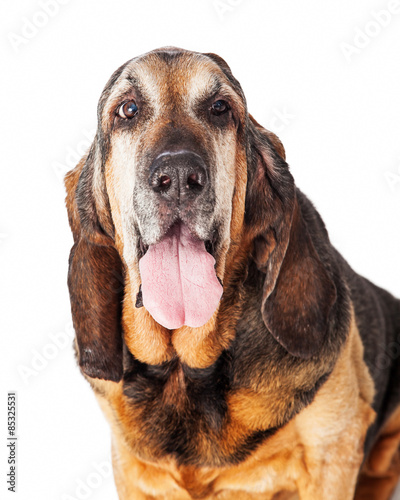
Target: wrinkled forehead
{"type": "Point", "coordinates": [168, 78]}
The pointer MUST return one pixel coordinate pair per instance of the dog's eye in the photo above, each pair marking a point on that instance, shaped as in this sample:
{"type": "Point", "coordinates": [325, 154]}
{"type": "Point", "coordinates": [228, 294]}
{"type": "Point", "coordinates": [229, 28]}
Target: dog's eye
{"type": "Point", "coordinates": [220, 107]}
{"type": "Point", "coordinates": [127, 110]}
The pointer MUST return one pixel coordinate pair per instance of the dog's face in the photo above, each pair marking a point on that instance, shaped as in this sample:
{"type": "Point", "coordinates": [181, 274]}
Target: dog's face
{"type": "Point", "coordinates": [179, 175]}
{"type": "Point", "coordinates": [172, 125]}
{"type": "Point", "coordinates": [172, 119]}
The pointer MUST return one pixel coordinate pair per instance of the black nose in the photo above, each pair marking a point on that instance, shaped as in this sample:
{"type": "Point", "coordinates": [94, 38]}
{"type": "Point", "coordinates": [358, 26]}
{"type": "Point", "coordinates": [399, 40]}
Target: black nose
{"type": "Point", "coordinates": [180, 174]}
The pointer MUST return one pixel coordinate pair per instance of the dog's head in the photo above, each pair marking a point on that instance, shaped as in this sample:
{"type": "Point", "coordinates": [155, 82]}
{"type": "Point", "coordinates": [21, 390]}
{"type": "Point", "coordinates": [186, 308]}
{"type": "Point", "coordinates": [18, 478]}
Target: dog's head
{"type": "Point", "coordinates": [179, 178]}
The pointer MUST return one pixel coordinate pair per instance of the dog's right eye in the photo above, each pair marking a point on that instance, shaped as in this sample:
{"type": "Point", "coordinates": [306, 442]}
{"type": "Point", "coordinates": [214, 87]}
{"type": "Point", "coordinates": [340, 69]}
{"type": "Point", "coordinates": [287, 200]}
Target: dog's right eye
{"type": "Point", "coordinates": [127, 110]}
{"type": "Point", "coordinates": [220, 107]}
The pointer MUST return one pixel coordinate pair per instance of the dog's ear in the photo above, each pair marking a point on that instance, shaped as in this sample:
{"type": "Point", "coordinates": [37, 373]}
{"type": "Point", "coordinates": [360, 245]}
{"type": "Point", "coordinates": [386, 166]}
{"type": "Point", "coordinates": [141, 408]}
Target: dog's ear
{"type": "Point", "coordinates": [298, 292]}
{"type": "Point", "coordinates": [95, 276]}
{"type": "Point", "coordinates": [274, 139]}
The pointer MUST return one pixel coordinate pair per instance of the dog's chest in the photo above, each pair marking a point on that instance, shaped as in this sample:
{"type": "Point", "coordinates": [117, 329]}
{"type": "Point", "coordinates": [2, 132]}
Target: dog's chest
{"type": "Point", "coordinates": [202, 416]}
{"type": "Point", "coordinates": [194, 424]}
{"type": "Point", "coordinates": [177, 411]}
{"type": "Point", "coordinates": [180, 450]}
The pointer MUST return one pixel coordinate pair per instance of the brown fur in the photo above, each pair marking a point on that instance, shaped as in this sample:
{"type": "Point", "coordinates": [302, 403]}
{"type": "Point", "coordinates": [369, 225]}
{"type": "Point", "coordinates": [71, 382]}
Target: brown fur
{"type": "Point", "coordinates": [295, 459]}
{"type": "Point", "coordinates": [381, 472]}
{"type": "Point", "coordinates": [272, 398]}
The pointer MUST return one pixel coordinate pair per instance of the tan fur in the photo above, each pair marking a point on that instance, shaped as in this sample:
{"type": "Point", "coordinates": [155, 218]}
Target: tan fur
{"type": "Point", "coordinates": [381, 472]}
{"type": "Point", "coordinates": [317, 454]}
{"type": "Point", "coordinates": [147, 340]}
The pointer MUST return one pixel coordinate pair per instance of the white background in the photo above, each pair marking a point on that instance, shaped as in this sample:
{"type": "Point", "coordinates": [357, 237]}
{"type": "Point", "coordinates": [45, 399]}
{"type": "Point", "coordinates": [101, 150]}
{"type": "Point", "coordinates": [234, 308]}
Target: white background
{"type": "Point", "coordinates": [338, 117]}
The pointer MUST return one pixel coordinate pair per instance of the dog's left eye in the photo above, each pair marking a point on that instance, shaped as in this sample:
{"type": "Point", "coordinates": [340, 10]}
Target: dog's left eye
{"type": "Point", "coordinates": [220, 107]}
{"type": "Point", "coordinates": [127, 110]}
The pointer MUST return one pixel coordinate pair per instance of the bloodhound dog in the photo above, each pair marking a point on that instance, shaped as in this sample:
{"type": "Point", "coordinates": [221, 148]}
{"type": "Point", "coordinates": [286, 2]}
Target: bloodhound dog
{"type": "Point", "coordinates": [233, 350]}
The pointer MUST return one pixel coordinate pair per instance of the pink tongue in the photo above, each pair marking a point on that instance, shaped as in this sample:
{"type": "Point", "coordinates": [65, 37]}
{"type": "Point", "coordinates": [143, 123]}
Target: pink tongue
{"type": "Point", "coordinates": [179, 285]}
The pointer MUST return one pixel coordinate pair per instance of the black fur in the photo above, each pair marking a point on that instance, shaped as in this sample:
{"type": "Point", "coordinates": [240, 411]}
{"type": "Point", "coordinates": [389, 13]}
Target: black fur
{"type": "Point", "coordinates": [270, 349]}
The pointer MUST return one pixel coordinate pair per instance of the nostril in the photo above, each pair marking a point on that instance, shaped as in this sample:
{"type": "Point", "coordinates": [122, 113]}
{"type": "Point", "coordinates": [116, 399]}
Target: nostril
{"type": "Point", "coordinates": [160, 182]}
{"type": "Point", "coordinates": [164, 181]}
{"type": "Point", "coordinates": [195, 182]}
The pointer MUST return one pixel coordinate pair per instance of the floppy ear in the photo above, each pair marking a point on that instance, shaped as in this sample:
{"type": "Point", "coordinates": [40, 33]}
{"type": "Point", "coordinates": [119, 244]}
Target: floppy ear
{"type": "Point", "coordinates": [273, 139]}
{"type": "Point", "coordinates": [298, 292]}
{"type": "Point", "coordinates": [95, 276]}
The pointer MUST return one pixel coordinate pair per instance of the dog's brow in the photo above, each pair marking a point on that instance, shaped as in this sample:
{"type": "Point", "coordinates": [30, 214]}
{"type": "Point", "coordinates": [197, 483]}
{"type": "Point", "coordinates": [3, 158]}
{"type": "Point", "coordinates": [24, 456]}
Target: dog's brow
{"type": "Point", "coordinates": [129, 82]}
{"type": "Point", "coordinates": [201, 90]}
{"type": "Point", "coordinates": [215, 88]}
{"type": "Point", "coordinates": [133, 80]}
{"type": "Point", "coordinates": [206, 93]}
